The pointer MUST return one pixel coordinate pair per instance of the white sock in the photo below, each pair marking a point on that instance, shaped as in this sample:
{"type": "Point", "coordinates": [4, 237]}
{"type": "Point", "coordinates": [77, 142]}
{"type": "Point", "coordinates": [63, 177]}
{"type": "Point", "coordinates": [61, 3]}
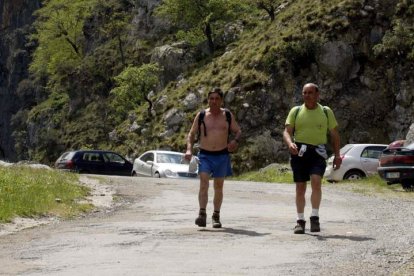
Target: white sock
{"type": "Point", "coordinates": [301, 216]}
{"type": "Point", "coordinates": [315, 213]}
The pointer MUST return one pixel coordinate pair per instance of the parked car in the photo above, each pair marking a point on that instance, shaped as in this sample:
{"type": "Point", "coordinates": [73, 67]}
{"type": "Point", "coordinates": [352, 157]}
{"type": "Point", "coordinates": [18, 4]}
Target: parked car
{"type": "Point", "coordinates": [160, 163]}
{"type": "Point", "coordinates": [358, 160]}
{"type": "Point", "coordinates": [94, 162]}
{"type": "Point", "coordinates": [396, 165]}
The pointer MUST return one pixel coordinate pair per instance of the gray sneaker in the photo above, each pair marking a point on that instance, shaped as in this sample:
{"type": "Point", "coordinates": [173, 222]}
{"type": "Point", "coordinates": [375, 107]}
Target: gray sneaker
{"type": "Point", "coordinates": [216, 221]}
{"type": "Point", "coordinates": [314, 224]}
{"type": "Point", "coordinates": [300, 227]}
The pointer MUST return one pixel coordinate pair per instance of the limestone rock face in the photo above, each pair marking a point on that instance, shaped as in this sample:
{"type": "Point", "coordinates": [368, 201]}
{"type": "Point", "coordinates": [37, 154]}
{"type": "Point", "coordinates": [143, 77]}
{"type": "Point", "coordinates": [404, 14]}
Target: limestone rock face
{"type": "Point", "coordinates": [410, 135]}
{"type": "Point", "coordinates": [15, 20]}
{"type": "Point", "coordinates": [336, 60]}
{"type": "Point", "coordinates": [174, 59]}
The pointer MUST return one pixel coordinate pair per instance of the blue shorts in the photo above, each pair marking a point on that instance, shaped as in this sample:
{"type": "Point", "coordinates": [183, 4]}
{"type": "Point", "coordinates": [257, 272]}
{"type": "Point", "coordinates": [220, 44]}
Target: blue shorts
{"type": "Point", "coordinates": [310, 163]}
{"type": "Point", "coordinates": [215, 163]}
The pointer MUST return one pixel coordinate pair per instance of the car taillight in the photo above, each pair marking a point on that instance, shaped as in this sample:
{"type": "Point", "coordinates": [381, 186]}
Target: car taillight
{"type": "Point", "coordinates": [384, 160]}
{"type": "Point", "coordinates": [70, 165]}
{"type": "Point", "coordinates": [404, 159]}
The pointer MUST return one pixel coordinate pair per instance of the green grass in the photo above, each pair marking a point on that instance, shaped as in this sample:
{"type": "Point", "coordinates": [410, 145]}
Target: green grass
{"type": "Point", "coordinates": [28, 192]}
{"type": "Point", "coordinates": [272, 175]}
{"type": "Point", "coordinates": [372, 185]}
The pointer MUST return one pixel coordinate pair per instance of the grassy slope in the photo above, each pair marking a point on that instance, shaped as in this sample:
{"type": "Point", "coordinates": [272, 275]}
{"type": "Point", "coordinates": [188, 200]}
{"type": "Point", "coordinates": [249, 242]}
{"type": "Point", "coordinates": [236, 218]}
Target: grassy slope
{"type": "Point", "coordinates": [264, 49]}
{"type": "Point", "coordinates": [28, 192]}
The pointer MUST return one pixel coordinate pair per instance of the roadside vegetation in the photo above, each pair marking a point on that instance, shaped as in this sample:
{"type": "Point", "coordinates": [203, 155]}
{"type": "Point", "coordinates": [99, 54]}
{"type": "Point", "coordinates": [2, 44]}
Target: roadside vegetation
{"type": "Point", "coordinates": [31, 193]}
{"type": "Point", "coordinates": [369, 185]}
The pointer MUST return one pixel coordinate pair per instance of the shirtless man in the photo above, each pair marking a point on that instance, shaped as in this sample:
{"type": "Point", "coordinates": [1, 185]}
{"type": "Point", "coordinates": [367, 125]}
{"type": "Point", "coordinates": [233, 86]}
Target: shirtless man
{"type": "Point", "coordinates": [214, 152]}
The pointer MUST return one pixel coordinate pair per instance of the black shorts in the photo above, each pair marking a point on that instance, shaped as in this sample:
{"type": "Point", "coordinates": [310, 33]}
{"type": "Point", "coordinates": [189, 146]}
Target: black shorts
{"type": "Point", "coordinates": [310, 163]}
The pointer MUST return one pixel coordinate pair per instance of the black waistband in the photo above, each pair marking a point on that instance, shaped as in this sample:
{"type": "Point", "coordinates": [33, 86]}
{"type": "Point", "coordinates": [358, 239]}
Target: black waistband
{"type": "Point", "coordinates": [216, 152]}
{"type": "Point", "coordinates": [307, 145]}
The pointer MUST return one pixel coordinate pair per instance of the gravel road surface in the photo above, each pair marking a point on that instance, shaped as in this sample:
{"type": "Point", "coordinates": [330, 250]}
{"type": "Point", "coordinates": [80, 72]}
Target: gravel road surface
{"type": "Point", "coordinates": [149, 229]}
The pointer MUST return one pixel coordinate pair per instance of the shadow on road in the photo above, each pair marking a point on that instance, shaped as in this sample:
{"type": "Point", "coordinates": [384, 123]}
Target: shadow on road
{"type": "Point", "coordinates": [235, 231]}
{"type": "Point", "coordinates": [341, 237]}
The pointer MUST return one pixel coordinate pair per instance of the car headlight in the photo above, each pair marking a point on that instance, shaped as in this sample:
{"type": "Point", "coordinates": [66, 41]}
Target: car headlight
{"type": "Point", "coordinates": [170, 173]}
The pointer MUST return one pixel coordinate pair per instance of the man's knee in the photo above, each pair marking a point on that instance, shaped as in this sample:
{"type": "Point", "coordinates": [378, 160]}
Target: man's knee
{"type": "Point", "coordinates": [300, 189]}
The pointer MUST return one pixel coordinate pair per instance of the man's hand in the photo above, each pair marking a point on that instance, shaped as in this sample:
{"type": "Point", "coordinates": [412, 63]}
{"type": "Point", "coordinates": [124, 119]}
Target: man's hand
{"type": "Point", "coordinates": [188, 155]}
{"type": "Point", "coordinates": [293, 149]}
{"type": "Point", "coordinates": [232, 146]}
{"type": "Point", "coordinates": [337, 162]}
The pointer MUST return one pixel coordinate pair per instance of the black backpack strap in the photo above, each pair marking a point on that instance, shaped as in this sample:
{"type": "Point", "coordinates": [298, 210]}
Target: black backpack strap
{"type": "Point", "coordinates": [228, 118]}
{"type": "Point", "coordinates": [296, 115]}
{"type": "Point", "coordinates": [325, 110]}
{"type": "Point", "coordinates": [201, 121]}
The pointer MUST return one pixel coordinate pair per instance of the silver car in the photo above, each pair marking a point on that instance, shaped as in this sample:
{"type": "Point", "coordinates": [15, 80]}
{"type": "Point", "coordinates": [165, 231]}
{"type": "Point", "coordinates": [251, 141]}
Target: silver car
{"type": "Point", "coordinates": [161, 163]}
{"type": "Point", "coordinates": [358, 160]}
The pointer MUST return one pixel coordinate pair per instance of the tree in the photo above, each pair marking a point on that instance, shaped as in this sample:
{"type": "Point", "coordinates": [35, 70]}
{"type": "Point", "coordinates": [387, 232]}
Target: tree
{"type": "Point", "coordinates": [200, 14]}
{"type": "Point", "coordinates": [270, 6]}
{"type": "Point", "coordinates": [134, 84]}
{"type": "Point", "coordinates": [59, 34]}
{"type": "Point", "coordinates": [115, 21]}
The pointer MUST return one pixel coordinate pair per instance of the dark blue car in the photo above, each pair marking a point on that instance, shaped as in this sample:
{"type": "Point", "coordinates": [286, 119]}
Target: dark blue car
{"type": "Point", "coordinates": [94, 162]}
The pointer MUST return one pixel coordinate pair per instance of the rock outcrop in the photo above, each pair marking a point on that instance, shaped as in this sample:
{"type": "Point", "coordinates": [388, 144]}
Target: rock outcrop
{"type": "Point", "coordinates": [15, 23]}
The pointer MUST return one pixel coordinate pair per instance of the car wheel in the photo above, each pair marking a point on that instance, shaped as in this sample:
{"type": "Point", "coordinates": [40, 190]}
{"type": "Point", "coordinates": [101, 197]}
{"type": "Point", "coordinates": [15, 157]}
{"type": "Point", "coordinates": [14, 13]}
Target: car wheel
{"type": "Point", "coordinates": [157, 175]}
{"type": "Point", "coordinates": [353, 175]}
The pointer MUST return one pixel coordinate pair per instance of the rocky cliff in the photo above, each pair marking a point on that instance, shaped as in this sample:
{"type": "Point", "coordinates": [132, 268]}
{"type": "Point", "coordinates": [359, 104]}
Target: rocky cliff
{"type": "Point", "coordinates": [261, 65]}
{"type": "Point", "coordinates": [15, 24]}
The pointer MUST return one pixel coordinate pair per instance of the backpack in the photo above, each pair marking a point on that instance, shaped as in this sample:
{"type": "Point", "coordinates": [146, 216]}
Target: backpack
{"type": "Point", "coordinates": [201, 122]}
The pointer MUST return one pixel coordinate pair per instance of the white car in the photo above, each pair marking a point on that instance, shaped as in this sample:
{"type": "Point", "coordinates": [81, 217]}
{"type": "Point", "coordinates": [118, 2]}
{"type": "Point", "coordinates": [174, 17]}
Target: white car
{"type": "Point", "coordinates": [161, 163]}
{"type": "Point", "coordinates": [358, 160]}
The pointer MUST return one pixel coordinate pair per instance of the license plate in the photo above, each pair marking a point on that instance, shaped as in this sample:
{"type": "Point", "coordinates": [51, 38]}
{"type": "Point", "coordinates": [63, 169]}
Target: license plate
{"type": "Point", "coordinates": [393, 175]}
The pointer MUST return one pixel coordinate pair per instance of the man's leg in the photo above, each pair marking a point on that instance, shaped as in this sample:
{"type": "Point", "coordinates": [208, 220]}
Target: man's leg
{"type": "Point", "coordinates": [300, 197]}
{"type": "Point", "coordinates": [316, 197]}
{"type": "Point", "coordinates": [217, 201]}
{"type": "Point", "coordinates": [203, 192]}
{"type": "Point", "coordinates": [300, 207]}
{"type": "Point", "coordinates": [201, 220]}
{"type": "Point", "coordinates": [218, 193]}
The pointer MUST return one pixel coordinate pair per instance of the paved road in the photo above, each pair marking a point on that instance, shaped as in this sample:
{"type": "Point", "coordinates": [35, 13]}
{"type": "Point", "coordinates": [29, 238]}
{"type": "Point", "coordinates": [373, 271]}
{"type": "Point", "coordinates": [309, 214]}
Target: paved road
{"type": "Point", "coordinates": [151, 231]}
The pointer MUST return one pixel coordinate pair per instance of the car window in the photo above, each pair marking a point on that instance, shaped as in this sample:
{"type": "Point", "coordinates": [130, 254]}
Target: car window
{"type": "Point", "coordinates": [67, 155]}
{"type": "Point", "coordinates": [87, 156]}
{"type": "Point", "coordinates": [114, 158]}
{"type": "Point", "coordinates": [147, 157]}
{"type": "Point", "coordinates": [372, 152]}
{"type": "Point", "coordinates": [169, 158]}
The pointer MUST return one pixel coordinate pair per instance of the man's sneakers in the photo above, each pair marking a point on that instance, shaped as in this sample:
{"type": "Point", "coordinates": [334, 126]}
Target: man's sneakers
{"type": "Point", "coordinates": [300, 227]}
{"type": "Point", "coordinates": [201, 220]}
{"type": "Point", "coordinates": [315, 226]}
{"type": "Point", "coordinates": [216, 220]}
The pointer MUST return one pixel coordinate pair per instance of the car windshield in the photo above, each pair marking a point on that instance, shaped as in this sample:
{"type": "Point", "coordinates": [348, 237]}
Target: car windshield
{"type": "Point", "coordinates": [169, 158]}
{"type": "Point", "coordinates": [411, 146]}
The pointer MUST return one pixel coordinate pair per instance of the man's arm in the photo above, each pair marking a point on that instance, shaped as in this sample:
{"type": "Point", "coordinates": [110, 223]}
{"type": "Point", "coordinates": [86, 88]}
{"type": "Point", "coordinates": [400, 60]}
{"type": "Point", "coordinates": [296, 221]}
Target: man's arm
{"type": "Point", "coordinates": [288, 139]}
{"type": "Point", "coordinates": [191, 137]}
{"type": "Point", "coordinates": [336, 143]}
{"type": "Point", "coordinates": [236, 130]}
